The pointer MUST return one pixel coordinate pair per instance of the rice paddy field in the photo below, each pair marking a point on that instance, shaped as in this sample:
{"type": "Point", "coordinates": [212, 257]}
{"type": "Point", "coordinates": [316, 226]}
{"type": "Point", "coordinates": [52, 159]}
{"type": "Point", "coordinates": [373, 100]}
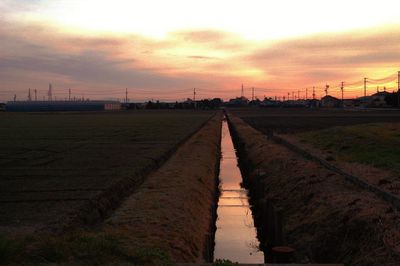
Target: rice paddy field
{"type": "Point", "coordinates": [373, 144]}
{"type": "Point", "coordinates": [296, 120]}
{"type": "Point", "coordinates": [53, 163]}
{"type": "Point", "coordinates": [361, 136]}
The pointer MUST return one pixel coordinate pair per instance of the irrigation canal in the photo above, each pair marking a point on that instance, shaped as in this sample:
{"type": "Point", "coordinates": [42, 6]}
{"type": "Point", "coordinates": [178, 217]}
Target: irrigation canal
{"type": "Point", "coordinates": [236, 237]}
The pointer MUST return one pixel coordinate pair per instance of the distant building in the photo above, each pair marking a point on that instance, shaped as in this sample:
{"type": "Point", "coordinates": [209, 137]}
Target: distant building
{"type": "Point", "coordinates": [62, 106]}
{"type": "Point", "coordinates": [364, 101]}
{"type": "Point", "coordinates": [379, 99]}
{"type": "Point", "coordinates": [2, 107]}
{"type": "Point", "coordinates": [313, 103]}
{"type": "Point", "coordinates": [330, 102]}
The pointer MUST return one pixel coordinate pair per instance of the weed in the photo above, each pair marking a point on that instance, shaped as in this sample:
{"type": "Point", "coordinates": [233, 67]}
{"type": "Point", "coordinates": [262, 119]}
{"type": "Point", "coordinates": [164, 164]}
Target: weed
{"type": "Point", "coordinates": [9, 249]}
{"type": "Point", "coordinates": [223, 262]}
{"type": "Point", "coordinates": [152, 256]}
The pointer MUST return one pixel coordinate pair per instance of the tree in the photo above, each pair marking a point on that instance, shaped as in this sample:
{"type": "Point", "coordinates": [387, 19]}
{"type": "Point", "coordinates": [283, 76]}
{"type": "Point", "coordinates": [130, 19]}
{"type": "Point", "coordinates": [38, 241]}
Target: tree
{"type": "Point", "coordinates": [393, 99]}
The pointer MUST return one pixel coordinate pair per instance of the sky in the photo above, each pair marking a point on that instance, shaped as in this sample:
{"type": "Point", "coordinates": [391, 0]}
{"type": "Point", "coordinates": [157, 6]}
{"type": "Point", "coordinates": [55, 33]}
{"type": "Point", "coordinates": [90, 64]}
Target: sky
{"type": "Point", "coordinates": [161, 50]}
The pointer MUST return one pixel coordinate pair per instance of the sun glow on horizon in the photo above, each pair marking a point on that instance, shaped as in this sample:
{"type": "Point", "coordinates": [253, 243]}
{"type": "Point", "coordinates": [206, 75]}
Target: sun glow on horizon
{"type": "Point", "coordinates": [276, 46]}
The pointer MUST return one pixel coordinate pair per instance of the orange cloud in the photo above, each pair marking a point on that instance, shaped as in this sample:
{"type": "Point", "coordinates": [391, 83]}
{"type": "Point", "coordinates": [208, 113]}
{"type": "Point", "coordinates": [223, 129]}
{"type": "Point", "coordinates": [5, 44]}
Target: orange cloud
{"type": "Point", "coordinates": [102, 66]}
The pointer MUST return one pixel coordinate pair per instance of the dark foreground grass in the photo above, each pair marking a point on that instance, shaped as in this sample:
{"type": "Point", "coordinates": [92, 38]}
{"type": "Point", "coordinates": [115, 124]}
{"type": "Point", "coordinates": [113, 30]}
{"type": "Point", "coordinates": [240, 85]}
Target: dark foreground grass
{"type": "Point", "coordinates": [52, 163]}
{"type": "Point", "coordinates": [373, 144]}
{"type": "Point", "coordinates": [76, 248]}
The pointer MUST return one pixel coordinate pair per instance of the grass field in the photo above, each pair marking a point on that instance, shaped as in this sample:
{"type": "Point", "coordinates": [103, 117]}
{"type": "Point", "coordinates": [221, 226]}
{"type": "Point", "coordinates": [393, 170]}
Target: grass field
{"type": "Point", "coordinates": [325, 217]}
{"type": "Point", "coordinates": [373, 144]}
{"type": "Point", "coordinates": [367, 137]}
{"type": "Point", "coordinates": [291, 120]}
{"type": "Point", "coordinates": [53, 163]}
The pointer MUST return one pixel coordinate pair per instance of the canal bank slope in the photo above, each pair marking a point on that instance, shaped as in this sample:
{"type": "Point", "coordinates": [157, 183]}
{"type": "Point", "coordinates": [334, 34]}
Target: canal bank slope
{"type": "Point", "coordinates": [173, 211]}
{"type": "Point", "coordinates": [325, 218]}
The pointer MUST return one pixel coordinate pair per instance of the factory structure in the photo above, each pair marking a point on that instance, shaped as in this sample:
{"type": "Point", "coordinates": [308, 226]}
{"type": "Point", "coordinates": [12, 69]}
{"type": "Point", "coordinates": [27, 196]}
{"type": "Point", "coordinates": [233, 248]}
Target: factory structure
{"type": "Point", "coordinates": [32, 104]}
{"type": "Point", "coordinates": [62, 106]}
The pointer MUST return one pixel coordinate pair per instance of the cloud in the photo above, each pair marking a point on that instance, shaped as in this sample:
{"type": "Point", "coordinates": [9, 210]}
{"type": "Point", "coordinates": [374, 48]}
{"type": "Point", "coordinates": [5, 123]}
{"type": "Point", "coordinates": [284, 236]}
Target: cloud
{"type": "Point", "coordinates": [201, 57]}
{"type": "Point", "coordinates": [32, 55]}
{"type": "Point", "coordinates": [87, 62]}
{"type": "Point", "coordinates": [327, 57]}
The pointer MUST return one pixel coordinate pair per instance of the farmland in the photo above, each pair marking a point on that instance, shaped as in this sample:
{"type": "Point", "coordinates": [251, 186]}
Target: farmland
{"type": "Point", "coordinates": [326, 218]}
{"type": "Point", "coordinates": [367, 137]}
{"type": "Point", "coordinates": [53, 164]}
{"type": "Point", "coordinates": [374, 144]}
{"type": "Point", "coordinates": [291, 120]}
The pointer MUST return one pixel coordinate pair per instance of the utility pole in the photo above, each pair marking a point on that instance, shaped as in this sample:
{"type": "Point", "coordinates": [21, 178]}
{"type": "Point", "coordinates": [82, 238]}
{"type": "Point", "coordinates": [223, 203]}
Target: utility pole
{"type": "Point", "coordinates": [313, 93]}
{"type": "Point", "coordinates": [126, 95]}
{"type": "Point", "coordinates": [341, 88]}
{"type": "Point", "coordinates": [365, 87]}
{"type": "Point", "coordinates": [50, 92]}
{"type": "Point", "coordinates": [69, 94]}
{"type": "Point", "coordinates": [252, 94]}
{"type": "Point", "coordinates": [398, 88]}
{"type": "Point", "coordinates": [35, 94]}
{"type": "Point", "coordinates": [194, 98]}
{"type": "Point", "coordinates": [15, 97]}
{"type": "Point", "coordinates": [293, 95]}
{"type": "Point", "coordinates": [29, 95]}
{"type": "Point", "coordinates": [242, 94]}
{"type": "Point", "coordinates": [298, 94]}
{"type": "Point", "coordinates": [288, 96]}
{"type": "Point", "coordinates": [306, 93]}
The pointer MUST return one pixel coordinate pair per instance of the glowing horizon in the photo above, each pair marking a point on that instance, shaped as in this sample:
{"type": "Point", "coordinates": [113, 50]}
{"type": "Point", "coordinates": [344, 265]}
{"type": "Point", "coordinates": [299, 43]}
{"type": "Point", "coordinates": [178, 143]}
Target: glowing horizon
{"type": "Point", "coordinates": [163, 49]}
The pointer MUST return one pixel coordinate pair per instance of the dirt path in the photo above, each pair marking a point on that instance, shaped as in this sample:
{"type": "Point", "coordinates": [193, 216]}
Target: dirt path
{"type": "Point", "coordinates": [326, 218]}
{"type": "Point", "coordinates": [172, 211]}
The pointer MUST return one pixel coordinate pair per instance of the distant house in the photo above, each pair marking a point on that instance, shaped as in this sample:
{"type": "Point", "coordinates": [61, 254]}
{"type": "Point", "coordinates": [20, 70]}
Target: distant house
{"type": "Point", "coordinates": [62, 106]}
{"type": "Point", "coordinates": [364, 101]}
{"type": "Point", "coordinates": [313, 103]}
{"type": "Point", "coordinates": [330, 102]}
{"type": "Point", "coordinates": [378, 99]}
{"type": "Point", "coordinates": [350, 103]}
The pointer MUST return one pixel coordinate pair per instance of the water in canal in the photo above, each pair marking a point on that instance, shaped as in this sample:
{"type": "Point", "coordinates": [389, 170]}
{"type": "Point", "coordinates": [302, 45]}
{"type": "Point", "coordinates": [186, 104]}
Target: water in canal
{"type": "Point", "coordinates": [235, 238]}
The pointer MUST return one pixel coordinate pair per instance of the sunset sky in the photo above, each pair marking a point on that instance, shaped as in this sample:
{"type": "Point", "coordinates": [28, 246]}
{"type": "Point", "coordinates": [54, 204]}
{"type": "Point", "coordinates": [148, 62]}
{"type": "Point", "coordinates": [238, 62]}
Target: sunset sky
{"type": "Point", "coordinates": [163, 49]}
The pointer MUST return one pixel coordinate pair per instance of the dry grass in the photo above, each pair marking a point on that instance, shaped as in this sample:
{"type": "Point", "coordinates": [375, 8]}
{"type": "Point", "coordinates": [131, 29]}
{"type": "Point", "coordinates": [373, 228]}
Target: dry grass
{"type": "Point", "coordinates": [52, 164]}
{"type": "Point", "coordinates": [164, 221]}
{"type": "Point", "coordinates": [373, 144]}
{"type": "Point", "coordinates": [326, 218]}
{"type": "Point", "coordinates": [172, 209]}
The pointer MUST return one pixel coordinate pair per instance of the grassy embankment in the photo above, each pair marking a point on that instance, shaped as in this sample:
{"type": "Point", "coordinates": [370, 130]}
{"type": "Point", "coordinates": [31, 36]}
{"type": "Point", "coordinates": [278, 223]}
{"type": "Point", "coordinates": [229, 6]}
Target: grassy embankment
{"type": "Point", "coordinates": [173, 210]}
{"type": "Point", "coordinates": [325, 218]}
{"type": "Point", "coordinates": [373, 144]}
{"type": "Point", "coordinates": [52, 164]}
